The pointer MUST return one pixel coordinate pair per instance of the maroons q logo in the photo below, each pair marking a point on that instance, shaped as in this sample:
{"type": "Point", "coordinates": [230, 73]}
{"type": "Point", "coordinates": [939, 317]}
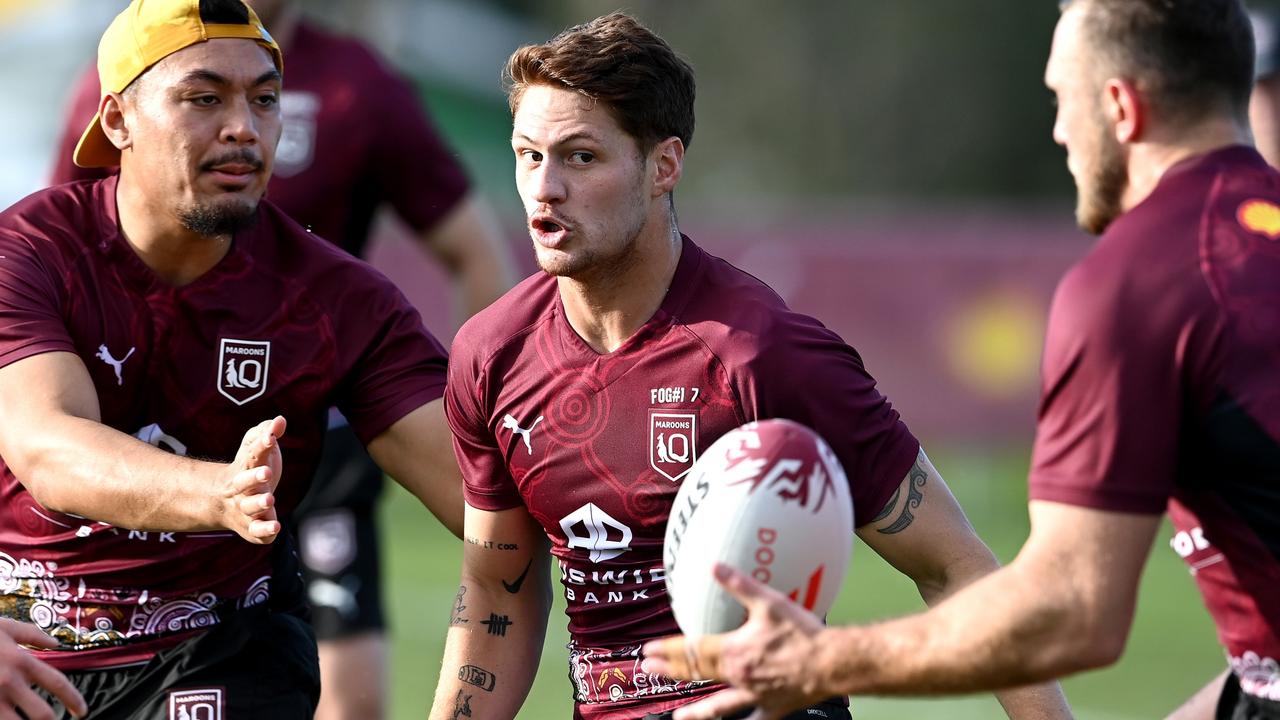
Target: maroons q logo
{"type": "Point", "coordinates": [672, 443]}
{"type": "Point", "coordinates": [242, 369]}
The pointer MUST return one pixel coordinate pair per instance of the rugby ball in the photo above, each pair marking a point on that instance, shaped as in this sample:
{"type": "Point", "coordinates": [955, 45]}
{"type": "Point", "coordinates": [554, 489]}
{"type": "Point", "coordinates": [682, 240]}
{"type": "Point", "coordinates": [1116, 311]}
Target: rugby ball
{"type": "Point", "coordinates": [771, 500]}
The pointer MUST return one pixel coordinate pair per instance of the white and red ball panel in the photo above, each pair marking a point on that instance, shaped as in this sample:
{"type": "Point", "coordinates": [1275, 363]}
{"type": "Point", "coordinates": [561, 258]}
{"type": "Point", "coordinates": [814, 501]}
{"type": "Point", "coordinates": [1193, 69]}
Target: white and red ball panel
{"type": "Point", "coordinates": [770, 499]}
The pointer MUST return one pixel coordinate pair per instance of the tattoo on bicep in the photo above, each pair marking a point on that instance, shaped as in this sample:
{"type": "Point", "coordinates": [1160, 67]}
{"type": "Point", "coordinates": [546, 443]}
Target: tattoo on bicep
{"type": "Point", "coordinates": [497, 624]}
{"type": "Point", "coordinates": [459, 607]}
{"type": "Point", "coordinates": [492, 544]}
{"type": "Point", "coordinates": [513, 587]}
{"type": "Point", "coordinates": [478, 676]}
{"type": "Point", "coordinates": [461, 705]}
{"type": "Point", "coordinates": [915, 495]}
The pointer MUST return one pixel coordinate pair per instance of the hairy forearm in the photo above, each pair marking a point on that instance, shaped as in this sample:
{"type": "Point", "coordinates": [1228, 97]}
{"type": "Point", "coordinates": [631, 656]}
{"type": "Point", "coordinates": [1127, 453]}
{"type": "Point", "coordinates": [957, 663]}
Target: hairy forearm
{"type": "Point", "coordinates": [1005, 630]}
{"type": "Point", "coordinates": [85, 468]}
{"type": "Point", "coordinates": [492, 652]}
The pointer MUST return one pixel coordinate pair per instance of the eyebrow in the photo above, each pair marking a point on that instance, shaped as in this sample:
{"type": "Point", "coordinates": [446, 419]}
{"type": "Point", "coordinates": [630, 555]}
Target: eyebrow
{"type": "Point", "coordinates": [216, 79]}
{"type": "Point", "coordinates": [582, 135]}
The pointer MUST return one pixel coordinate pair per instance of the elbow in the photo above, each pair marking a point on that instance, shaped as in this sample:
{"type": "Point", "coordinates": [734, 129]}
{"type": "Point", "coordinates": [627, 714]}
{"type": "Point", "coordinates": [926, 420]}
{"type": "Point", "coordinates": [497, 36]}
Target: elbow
{"type": "Point", "coordinates": [1103, 643]}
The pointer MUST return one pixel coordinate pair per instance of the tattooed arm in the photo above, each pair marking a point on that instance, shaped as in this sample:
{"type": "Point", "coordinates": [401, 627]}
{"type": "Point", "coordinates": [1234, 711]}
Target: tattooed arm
{"type": "Point", "coordinates": [498, 619]}
{"type": "Point", "coordinates": [784, 658]}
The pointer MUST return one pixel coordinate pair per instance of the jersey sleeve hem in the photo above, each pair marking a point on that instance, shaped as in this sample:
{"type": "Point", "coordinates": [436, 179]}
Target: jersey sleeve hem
{"type": "Point", "coordinates": [1110, 499]}
{"type": "Point", "coordinates": [31, 349]}
{"type": "Point", "coordinates": [490, 501]}
{"type": "Point", "coordinates": [370, 427]}
{"type": "Point", "coordinates": [900, 459]}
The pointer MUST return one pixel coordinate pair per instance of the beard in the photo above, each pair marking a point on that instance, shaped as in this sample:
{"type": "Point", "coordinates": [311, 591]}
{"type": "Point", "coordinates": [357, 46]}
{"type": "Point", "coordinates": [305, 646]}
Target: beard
{"type": "Point", "coordinates": [1105, 176]}
{"type": "Point", "coordinates": [217, 219]}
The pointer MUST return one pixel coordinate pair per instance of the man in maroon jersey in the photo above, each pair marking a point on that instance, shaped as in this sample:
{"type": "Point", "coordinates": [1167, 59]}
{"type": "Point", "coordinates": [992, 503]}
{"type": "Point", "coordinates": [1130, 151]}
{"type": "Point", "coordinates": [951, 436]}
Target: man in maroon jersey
{"type": "Point", "coordinates": [151, 318]}
{"type": "Point", "coordinates": [1161, 393]}
{"type": "Point", "coordinates": [1264, 102]}
{"type": "Point", "coordinates": [582, 398]}
{"type": "Point", "coordinates": [354, 137]}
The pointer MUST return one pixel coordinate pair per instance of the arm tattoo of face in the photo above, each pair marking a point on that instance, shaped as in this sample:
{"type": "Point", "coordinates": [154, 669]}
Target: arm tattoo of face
{"type": "Point", "coordinates": [915, 495]}
{"type": "Point", "coordinates": [461, 706]}
{"type": "Point", "coordinates": [477, 676]}
{"type": "Point", "coordinates": [455, 617]}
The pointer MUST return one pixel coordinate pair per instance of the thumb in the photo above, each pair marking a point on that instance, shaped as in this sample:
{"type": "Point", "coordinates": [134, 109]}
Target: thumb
{"type": "Point", "coordinates": [278, 425]}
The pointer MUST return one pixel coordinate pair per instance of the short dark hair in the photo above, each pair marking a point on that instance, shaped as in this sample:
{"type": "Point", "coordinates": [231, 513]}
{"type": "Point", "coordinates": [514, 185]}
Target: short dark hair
{"type": "Point", "coordinates": [224, 12]}
{"type": "Point", "coordinates": [1192, 57]}
{"type": "Point", "coordinates": [619, 62]}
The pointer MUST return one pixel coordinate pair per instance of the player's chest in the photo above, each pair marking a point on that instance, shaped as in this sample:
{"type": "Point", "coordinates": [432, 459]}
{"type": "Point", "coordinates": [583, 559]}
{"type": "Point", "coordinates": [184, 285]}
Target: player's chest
{"type": "Point", "coordinates": [612, 443]}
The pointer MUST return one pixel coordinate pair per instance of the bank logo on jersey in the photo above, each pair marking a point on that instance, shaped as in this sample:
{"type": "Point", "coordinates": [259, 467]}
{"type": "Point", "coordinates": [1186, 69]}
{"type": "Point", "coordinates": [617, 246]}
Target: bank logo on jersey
{"type": "Point", "coordinates": [118, 365]}
{"type": "Point", "coordinates": [673, 443]}
{"type": "Point", "coordinates": [242, 369]}
{"type": "Point", "coordinates": [297, 147]}
{"type": "Point", "coordinates": [591, 528]}
{"type": "Point", "coordinates": [206, 704]}
{"type": "Point", "coordinates": [525, 434]}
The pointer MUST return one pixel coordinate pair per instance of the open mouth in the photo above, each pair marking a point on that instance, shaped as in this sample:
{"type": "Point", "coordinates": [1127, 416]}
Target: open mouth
{"type": "Point", "coordinates": [547, 231]}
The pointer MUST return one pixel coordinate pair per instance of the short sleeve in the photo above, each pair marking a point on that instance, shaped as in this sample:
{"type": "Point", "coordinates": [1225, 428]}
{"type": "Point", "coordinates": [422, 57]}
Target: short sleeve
{"type": "Point", "coordinates": [486, 483]}
{"type": "Point", "coordinates": [31, 321]}
{"type": "Point", "coordinates": [402, 367]}
{"type": "Point", "coordinates": [417, 173]}
{"type": "Point", "coordinates": [806, 373]}
{"type": "Point", "coordinates": [1113, 394]}
{"type": "Point", "coordinates": [82, 108]}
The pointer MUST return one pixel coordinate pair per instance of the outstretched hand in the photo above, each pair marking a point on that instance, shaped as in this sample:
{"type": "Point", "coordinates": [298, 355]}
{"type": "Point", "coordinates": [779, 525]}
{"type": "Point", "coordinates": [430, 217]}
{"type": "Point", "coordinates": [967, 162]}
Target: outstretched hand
{"type": "Point", "coordinates": [248, 498]}
{"type": "Point", "coordinates": [768, 662]}
{"type": "Point", "coordinates": [20, 670]}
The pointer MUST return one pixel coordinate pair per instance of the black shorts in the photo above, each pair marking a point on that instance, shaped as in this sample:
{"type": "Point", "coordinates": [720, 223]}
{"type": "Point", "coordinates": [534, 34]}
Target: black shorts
{"type": "Point", "coordinates": [258, 664]}
{"type": "Point", "coordinates": [338, 539]}
{"type": "Point", "coordinates": [829, 710]}
{"type": "Point", "coordinates": [1236, 705]}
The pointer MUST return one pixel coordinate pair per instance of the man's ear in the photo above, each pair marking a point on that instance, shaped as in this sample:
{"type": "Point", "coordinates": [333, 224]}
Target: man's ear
{"type": "Point", "coordinates": [1123, 107]}
{"type": "Point", "coordinates": [114, 119]}
{"type": "Point", "coordinates": [668, 158]}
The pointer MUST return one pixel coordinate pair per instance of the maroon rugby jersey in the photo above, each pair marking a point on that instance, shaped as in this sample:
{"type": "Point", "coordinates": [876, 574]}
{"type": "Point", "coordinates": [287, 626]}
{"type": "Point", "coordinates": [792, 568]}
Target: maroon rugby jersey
{"type": "Point", "coordinates": [354, 136]}
{"type": "Point", "coordinates": [1162, 388]}
{"type": "Point", "coordinates": [284, 324]}
{"type": "Point", "coordinates": [596, 445]}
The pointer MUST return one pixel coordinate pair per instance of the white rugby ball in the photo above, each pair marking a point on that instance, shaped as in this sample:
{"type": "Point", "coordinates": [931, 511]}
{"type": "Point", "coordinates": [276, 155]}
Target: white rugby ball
{"type": "Point", "coordinates": [771, 500]}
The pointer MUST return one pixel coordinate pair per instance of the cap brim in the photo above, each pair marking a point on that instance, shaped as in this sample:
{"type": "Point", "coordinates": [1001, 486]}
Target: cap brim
{"type": "Point", "coordinates": [94, 149]}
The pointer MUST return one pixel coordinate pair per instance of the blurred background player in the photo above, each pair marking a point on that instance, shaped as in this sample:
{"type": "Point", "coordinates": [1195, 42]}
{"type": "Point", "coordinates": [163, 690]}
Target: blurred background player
{"type": "Point", "coordinates": [1264, 103]}
{"type": "Point", "coordinates": [1161, 393]}
{"type": "Point", "coordinates": [355, 139]}
{"type": "Point", "coordinates": [555, 398]}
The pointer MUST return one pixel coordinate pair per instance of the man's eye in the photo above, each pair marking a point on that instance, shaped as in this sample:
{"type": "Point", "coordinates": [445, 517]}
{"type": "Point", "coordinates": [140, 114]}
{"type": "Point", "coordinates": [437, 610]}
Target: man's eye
{"type": "Point", "coordinates": [531, 155]}
{"type": "Point", "coordinates": [581, 157]}
{"type": "Point", "coordinates": [205, 100]}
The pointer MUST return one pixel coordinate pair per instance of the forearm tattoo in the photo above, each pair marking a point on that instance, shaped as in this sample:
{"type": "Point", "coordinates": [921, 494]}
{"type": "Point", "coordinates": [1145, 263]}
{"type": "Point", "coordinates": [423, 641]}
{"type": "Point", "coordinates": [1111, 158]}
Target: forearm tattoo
{"type": "Point", "coordinates": [492, 544]}
{"type": "Point", "coordinates": [915, 495]}
{"type": "Point", "coordinates": [461, 705]}
{"type": "Point", "coordinates": [497, 624]}
{"type": "Point", "coordinates": [478, 676]}
{"type": "Point", "coordinates": [513, 587]}
{"type": "Point", "coordinates": [459, 607]}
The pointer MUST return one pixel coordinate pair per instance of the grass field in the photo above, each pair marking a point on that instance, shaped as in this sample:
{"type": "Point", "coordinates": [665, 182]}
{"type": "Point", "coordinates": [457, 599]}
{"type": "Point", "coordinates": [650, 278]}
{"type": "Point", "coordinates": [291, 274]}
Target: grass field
{"type": "Point", "coordinates": [1171, 652]}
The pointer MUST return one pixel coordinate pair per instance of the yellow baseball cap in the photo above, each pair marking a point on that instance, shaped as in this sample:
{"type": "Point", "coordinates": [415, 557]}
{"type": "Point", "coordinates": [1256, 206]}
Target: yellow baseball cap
{"type": "Point", "coordinates": [144, 34]}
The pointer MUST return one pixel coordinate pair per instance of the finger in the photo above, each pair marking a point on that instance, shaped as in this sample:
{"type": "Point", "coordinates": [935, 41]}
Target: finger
{"type": "Point", "coordinates": [32, 705]}
{"type": "Point", "coordinates": [748, 591]}
{"type": "Point", "coordinates": [49, 678]}
{"type": "Point", "coordinates": [666, 656]}
{"type": "Point", "coordinates": [264, 530]}
{"type": "Point", "coordinates": [277, 425]}
{"type": "Point", "coordinates": [256, 505]}
{"type": "Point", "coordinates": [724, 702]}
{"type": "Point", "coordinates": [7, 714]}
{"type": "Point", "coordinates": [252, 481]}
{"type": "Point", "coordinates": [26, 633]}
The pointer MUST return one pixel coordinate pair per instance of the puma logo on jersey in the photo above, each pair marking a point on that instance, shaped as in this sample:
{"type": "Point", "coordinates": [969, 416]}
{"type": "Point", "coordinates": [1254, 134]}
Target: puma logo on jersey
{"type": "Point", "coordinates": [511, 424]}
{"type": "Point", "coordinates": [105, 356]}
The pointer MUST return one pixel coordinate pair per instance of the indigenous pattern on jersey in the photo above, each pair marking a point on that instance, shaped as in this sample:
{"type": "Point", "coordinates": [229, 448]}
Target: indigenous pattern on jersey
{"type": "Point", "coordinates": [354, 136]}
{"type": "Point", "coordinates": [284, 324]}
{"type": "Point", "coordinates": [1162, 388]}
{"type": "Point", "coordinates": [595, 446]}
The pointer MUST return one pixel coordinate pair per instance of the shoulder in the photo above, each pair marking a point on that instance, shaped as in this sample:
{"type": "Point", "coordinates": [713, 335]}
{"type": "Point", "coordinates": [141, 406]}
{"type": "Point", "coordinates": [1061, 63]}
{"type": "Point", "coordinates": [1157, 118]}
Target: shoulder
{"type": "Point", "coordinates": [343, 54]}
{"type": "Point", "coordinates": [64, 216]}
{"type": "Point", "coordinates": [507, 321]}
{"type": "Point", "coordinates": [746, 323]}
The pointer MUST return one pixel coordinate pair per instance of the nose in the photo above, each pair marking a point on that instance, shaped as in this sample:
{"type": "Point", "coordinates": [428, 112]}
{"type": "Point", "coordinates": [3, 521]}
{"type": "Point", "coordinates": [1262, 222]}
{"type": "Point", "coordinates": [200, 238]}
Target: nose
{"type": "Point", "coordinates": [545, 184]}
{"type": "Point", "coordinates": [240, 125]}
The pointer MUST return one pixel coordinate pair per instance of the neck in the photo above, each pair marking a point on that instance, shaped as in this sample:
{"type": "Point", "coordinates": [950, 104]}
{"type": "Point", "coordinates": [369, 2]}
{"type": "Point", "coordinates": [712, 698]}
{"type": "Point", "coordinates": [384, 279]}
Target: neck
{"type": "Point", "coordinates": [1149, 160]}
{"type": "Point", "coordinates": [175, 254]}
{"type": "Point", "coordinates": [607, 310]}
